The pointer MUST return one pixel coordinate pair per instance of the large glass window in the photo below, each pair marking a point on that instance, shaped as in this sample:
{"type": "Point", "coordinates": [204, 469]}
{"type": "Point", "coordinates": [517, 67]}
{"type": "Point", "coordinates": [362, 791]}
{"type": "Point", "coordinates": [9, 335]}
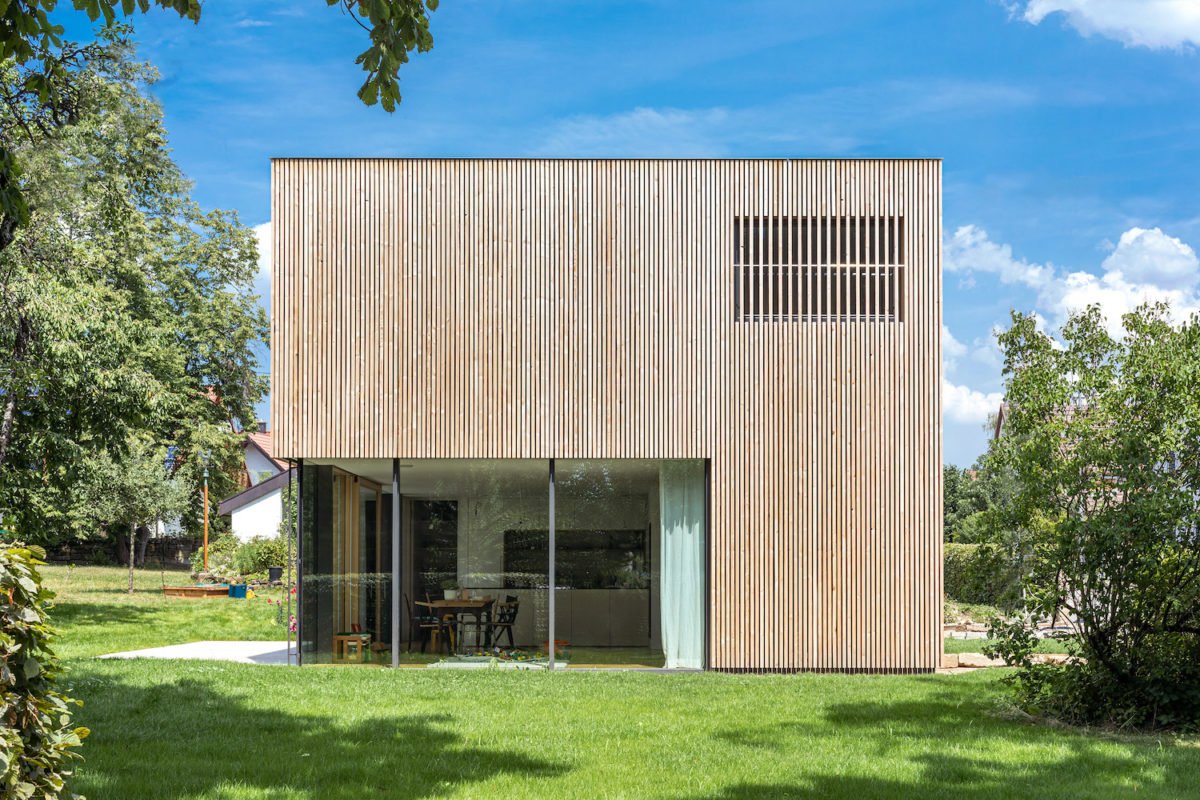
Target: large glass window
{"type": "Point", "coordinates": [475, 564]}
{"type": "Point", "coordinates": [607, 562]}
{"type": "Point", "coordinates": [345, 583]}
{"type": "Point", "coordinates": [474, 580]}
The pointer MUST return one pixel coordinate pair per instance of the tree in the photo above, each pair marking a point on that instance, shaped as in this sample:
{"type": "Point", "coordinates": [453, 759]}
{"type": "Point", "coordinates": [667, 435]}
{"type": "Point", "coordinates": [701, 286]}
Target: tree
{"type": "Point", "coordinates": [960, 499]}
{"type": "Point", "coordinates": [1104, 442]}
{"type": "Point", "coordinates": [126, 312]}
{"type": "Point", "coordinates": [45, 71]}
{"type": "Point", "coordinates": [136, 488]}
{"type": "Point", "coordinates": [971, 498]}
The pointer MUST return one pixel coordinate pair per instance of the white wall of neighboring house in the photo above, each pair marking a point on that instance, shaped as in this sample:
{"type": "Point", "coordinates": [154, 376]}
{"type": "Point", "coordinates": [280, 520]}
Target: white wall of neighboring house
{"type": "Point", "coordinates": [259, 517]}
{"type": "Point", "coordinates": [167, 527]}
{"type": "Point", "coordinates": [257, 464]}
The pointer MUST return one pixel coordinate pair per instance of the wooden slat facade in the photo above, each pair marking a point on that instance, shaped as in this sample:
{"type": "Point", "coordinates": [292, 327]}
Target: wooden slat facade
{"type": "Point", "coordinates": [586, 309]}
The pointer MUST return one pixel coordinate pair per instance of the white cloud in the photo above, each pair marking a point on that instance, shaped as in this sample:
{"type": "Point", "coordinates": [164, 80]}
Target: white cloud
{"type": "Point", "coordinates": [968, 406]}
{"type": "Point", "coordinates": [970, 250]}
{"type": "Point", "coordinates": [1147, 266]}
{"type": "Point", "coordinates": [642, 131]}
{"type": "Point", "coordinates": [952, 350]}
{"type": "Point", "coordinates": [1116, 297]}
{"type": "Point", "coordinates": [262, 279]}
{"type": "Point", "coordinates": [1136, 23]}
{"type": "Point", "coordinates": [985, 350]}
{"type": "Point", "coordinates": [1150, 256]}
{"type": "Point", "coordinates": [850, 117]}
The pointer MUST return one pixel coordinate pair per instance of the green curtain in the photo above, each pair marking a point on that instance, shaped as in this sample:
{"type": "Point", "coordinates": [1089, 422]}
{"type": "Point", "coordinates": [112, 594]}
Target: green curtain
{"type": "Point", "coordinates": [681, 498]}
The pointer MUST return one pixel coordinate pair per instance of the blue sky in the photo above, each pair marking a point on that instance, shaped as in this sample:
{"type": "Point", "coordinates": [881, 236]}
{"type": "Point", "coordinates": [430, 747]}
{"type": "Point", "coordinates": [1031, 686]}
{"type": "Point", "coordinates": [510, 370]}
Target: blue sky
{"type": "Point", "coordinates": [1069, 129]}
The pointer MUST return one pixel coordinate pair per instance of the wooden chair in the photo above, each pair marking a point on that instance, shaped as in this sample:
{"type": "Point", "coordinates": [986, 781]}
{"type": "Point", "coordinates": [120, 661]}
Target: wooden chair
{"type": "Point", "coordinates": [505, 614]}
{"type": "Point", "coordinates": [424, 622]}
{"type": "Point", "coordinates": [445, 625]}
{"type": "Point", "coordinates": [447, 631]}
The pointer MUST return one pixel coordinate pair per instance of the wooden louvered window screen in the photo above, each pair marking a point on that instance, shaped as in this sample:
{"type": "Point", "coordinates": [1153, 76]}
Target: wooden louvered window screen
{"type": "Point", "coordinates": [846, 268]}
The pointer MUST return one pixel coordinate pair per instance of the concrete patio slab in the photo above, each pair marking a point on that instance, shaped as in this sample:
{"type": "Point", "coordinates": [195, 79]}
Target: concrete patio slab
{"type": "Point", "coordinates": [240, 652]}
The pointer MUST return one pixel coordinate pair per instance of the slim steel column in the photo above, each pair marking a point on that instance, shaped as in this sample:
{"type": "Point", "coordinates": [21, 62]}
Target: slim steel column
{"type": "Point", "coordinates": [299, 567]}
{"type": "Point", "coordinates": [395, 562]}
{"type": "Point", "coordinates": [551, 570]}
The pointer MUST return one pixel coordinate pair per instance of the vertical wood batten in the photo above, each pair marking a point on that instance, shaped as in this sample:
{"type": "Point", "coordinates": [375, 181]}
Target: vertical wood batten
{"type": "Point", "coordinates": [585, 309]}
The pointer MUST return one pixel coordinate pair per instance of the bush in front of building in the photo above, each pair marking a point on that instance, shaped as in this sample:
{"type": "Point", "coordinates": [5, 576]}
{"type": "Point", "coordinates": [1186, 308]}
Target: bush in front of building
{"type": "Point", "coordinates": [255, 555]}
{"type": "Point", "coordinates": [222, 556]}
{"type": "Point", "coordinates": [979, 574]}
{"type": "Point", "coordinates": [1102, 436]}
{"type": "Point", "coordinates": [36, 736]}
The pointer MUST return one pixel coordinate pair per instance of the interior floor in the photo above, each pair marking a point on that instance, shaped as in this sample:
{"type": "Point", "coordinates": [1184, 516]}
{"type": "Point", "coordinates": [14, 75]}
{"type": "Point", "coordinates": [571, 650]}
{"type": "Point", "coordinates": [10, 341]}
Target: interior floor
{"type": "Point", "coordinates": [573, 656]}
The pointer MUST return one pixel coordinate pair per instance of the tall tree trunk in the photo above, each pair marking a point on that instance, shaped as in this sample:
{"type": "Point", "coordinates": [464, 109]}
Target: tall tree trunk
{"type": "Point", "coordinates": [132, 549]}
{"type": "Point", "coordinates": [143, 539]}
{"type": "Point", "coordinates": [20, 350]}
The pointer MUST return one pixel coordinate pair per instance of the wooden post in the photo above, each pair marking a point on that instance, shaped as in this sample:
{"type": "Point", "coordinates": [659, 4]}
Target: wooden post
{"type": "Point", "coordinates": [206, 516]}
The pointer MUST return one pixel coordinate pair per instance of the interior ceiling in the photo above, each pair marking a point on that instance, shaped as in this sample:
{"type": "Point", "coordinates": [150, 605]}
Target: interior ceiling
{"type": "Point", "coordinates": [504, 477]}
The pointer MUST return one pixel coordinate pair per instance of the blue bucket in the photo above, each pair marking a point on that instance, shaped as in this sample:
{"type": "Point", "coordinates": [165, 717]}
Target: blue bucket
{"type": "Point", "coordinates": [237, 590]}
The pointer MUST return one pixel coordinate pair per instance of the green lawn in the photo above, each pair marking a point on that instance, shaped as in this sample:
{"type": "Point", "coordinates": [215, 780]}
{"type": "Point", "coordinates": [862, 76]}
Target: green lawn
{"type": "Point", "coordinates": [180, 730]}
{"type": "Point", "coordinates": [976, 646]}
{"type": "Point", "coordinates": [97, 615]}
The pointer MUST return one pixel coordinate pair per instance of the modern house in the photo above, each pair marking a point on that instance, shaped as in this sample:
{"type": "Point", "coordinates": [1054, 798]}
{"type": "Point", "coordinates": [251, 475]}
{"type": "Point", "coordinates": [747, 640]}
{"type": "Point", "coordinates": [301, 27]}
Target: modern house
{"type": "Point", "coordinates": [663, 412]}
{"type": "Point", "coordinates": [257, 509]}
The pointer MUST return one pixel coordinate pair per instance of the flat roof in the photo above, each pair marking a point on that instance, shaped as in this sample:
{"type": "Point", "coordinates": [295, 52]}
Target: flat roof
{"type": "Point", "coordinates": [590, 158]}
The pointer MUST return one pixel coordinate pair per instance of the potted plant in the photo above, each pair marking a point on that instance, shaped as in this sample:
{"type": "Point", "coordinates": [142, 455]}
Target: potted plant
{"type": "Point", "coordinates": [450, 589]}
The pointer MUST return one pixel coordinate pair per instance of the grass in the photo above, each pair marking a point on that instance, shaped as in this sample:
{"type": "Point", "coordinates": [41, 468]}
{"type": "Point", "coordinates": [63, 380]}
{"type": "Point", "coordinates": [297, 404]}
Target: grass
{"type": "Point", "coordinates": [976, 646]}
{"type": "Point", "coordinates": [954, 611]}
{"type": "Point", "coordinates": [192, 731]}
{"type": "Point", "coordinates": [98, 616]}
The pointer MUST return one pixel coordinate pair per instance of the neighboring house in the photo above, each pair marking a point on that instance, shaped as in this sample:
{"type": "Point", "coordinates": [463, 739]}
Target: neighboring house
{"type": "Point", "coordinates": [675, 409]}
{"type": "Point", "coordinates": [259, 463]}
{"type": "Point", "coordinates": [257, 510]}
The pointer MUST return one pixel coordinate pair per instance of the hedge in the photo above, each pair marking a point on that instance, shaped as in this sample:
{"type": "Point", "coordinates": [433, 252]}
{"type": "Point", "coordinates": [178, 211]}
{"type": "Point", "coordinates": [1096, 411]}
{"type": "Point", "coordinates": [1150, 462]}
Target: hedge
{"type": "Point", "coordinates": [36, 737]}
{"type": "Point", "coordinates": [980, 574]}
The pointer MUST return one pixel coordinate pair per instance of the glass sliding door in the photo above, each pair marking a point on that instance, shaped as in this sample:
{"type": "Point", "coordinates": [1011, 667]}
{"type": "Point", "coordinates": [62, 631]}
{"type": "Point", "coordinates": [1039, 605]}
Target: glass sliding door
{"type": "Point", "coordinates": [606, 558]}
{"type": "Point", "coordinates": [345, 582]}
{"type": "Point", "coordinates": [630, 561]}
{"type": "Point", "coordinates": [475, 561]}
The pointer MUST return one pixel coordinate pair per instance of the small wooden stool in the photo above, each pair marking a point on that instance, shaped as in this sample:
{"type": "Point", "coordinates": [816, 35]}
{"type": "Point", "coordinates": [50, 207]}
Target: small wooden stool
{"type": "Point", "coordinates": [351, 647]}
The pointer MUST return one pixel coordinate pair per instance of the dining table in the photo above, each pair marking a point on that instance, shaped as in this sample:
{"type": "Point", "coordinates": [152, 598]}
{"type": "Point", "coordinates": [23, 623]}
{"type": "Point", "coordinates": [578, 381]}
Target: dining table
{"type": "Point", "coordinates": [478, 607]}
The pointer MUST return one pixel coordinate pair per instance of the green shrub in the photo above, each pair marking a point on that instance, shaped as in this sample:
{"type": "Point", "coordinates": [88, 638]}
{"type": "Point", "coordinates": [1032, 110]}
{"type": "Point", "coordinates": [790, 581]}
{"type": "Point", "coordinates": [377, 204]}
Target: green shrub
{"type": "Point", "coordinates": [979, 574]}
{"type": "Point", "coordinates": [259, 553]}
{"type": "Point", "coordinates": [222, 552]}
{"type": "Point", "coordinates": [36, 737]}
{"type": "Point", "coordinates": [1101, 436]}
{"type": "Point", "coordinates": [1164, 691]}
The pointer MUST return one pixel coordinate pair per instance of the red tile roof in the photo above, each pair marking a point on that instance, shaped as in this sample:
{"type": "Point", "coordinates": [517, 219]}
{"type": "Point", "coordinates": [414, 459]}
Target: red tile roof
{"type": "Point", "coordinates": [262, 439]}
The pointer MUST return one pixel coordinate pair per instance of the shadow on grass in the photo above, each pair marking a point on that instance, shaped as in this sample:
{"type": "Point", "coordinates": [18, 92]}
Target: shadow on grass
{"type": "Point", "coordinates": [68, 615]}
{"type": "Point", "coordinates": [184, 740]}
{"type": "Point", "coordinates": [952, 745]}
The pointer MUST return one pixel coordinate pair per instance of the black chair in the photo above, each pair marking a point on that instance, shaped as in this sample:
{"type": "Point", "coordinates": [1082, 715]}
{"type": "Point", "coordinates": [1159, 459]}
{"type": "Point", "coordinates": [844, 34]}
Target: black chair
{"type": "Point", "coordinates": [424, 622]}
{"type": "Point", "coordinates": [505, 614]}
